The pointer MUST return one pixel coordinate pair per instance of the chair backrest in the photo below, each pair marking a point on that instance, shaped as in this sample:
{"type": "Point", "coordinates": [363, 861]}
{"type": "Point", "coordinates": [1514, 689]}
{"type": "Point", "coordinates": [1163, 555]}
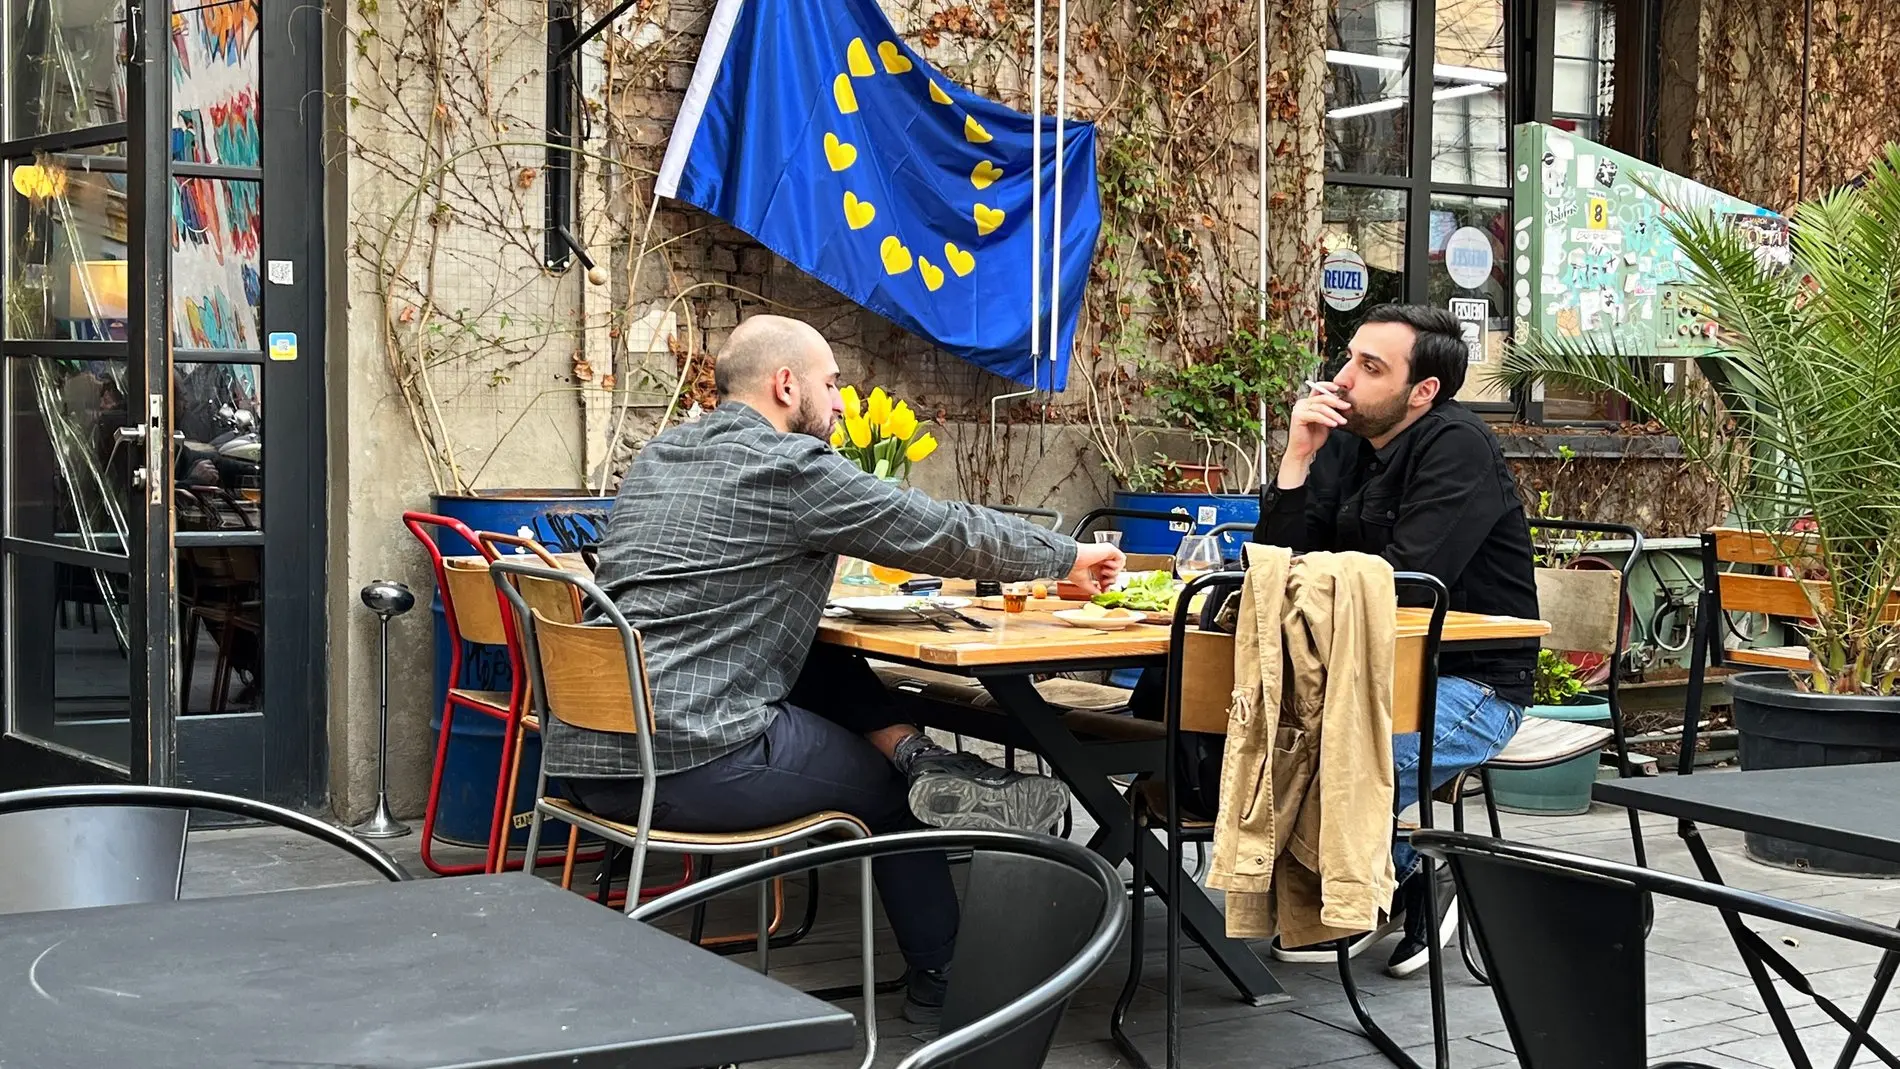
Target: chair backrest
{"type": "Point", "coordinates": [102, 855]}
{"type": "Point", "coordinates": [1764, 592]}
{"type": "Point", "coordinates": [1044, 915]}
{"type": "Point", "coordinates": [1511, 891]}
{"type": "Point", "coordinates": [1050, 518]}
{"type": "Point", "coordinates": [1583, 608]}
{"type": "Point", "coordinates": [557, 601]}
{"type": "Point", "coordinates": [586, 676]}
{"type": "Point", "coordinates": [1089, 520]}
{"type": "Point", "coordinates": [121, 844]}
{"type": "Point", "coordinates": [477, 611]}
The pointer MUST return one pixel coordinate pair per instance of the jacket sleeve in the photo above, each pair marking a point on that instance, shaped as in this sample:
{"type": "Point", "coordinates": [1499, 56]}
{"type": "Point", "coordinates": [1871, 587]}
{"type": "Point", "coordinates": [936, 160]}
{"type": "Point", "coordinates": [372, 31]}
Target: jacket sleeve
{"type": "Point", "coordinates": [841, 509]}
{"type": "Point", "coordinates": [1448, 508]}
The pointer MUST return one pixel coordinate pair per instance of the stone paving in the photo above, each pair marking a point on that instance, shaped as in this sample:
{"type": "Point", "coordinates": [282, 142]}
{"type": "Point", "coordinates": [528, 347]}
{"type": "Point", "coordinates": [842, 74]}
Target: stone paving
{"type": "Point", "coordinates": [1702, 1006]}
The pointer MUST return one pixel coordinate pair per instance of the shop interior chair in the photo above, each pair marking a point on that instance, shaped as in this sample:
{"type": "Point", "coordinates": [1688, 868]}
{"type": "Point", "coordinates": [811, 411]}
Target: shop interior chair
{"type": "Point", "coordinates": [1199, 683]}
{"type": "Point", "coordinates": [119, 844]}
{"type": "Point", "coordinates": [1587, 609]}
{"type": "Point", "coordinates": [1049, 913]}
{"type": "Point", "coordinates": [1538, 968]}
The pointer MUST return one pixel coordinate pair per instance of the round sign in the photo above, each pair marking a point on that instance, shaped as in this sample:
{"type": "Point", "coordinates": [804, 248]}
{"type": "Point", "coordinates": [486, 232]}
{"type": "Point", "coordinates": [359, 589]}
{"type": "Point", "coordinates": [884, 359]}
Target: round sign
{"type": "Point", "coordinates": [1343, 280]}
{"type": "Point", "coordinates": [1468, 257]}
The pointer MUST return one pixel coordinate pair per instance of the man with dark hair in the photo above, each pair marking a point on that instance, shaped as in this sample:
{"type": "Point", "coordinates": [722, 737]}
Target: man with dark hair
{"type": "Point", "coordinates": [1418, 479]}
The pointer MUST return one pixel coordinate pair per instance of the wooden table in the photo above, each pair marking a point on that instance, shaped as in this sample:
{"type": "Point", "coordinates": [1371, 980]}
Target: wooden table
{"type": "Point", "coordinates": [1021, 646]}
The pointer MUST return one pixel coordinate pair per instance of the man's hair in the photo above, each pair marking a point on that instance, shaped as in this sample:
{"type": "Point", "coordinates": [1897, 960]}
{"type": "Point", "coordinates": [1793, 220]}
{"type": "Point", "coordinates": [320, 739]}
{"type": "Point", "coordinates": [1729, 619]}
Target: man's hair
{"type": "Point", "coordinates": [758, 347]}
{"type": "Point", "coordinates": [1438, 349]}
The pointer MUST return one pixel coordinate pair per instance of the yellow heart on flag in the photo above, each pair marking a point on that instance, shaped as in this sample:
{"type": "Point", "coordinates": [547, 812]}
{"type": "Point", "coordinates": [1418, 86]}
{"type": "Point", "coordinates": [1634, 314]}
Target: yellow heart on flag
{"type": "Point", "coordinates": [937, 94]}
{"type": "Point", "coordinates": [842, 92]}
{"type": "Point", "coordinates": [960, 261]}
{"type": "Point", "coordinates": [858, 213]}
{"type": "Point", "coordinates": [988, 219]}
{"type": "Point", "coordinates": [895, 62]}
{"type": "Point", "coordinates": [973, 131]}
{"type": "Point", "coordinates": [933, 275]}
{"type": "Point", "coordinates": [895, 256]}
{"type": "Point", "coordinates": [858, 59]}
{"type": "Point", "coordinates": [985, 173]}
{"type": "Point", "coordinates": [840, 154]}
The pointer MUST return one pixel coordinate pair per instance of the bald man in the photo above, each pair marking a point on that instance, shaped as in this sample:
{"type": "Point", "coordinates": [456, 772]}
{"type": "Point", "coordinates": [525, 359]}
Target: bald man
{"type": "Point", "coordinates": [721, 549]}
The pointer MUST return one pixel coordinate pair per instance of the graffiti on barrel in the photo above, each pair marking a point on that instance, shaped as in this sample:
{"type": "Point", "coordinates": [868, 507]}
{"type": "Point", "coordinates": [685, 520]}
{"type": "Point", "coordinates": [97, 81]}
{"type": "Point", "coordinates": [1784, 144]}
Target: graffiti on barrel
{"type": "Point", "coordinates": [565, 531]}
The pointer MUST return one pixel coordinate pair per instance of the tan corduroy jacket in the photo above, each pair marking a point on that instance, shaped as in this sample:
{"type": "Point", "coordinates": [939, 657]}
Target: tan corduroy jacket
{"type": "Point", "coordinates": [1303, 841]}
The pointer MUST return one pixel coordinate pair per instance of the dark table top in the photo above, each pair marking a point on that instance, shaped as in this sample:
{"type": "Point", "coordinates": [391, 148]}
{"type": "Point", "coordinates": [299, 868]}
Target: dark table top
{"type": "Point", "coordinates": [1854, 808]}
{"type": "Point", "coordinates": [476, 971]}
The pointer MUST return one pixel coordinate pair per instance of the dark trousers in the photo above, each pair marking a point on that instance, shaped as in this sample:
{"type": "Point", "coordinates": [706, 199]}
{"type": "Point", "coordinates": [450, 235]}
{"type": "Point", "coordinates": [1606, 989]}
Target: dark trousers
{"type": "Point", "coordinates": [806, 762]}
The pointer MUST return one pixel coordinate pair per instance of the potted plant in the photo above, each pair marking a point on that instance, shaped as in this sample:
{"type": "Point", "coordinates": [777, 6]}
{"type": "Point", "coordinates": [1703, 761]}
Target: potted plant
{"type": "Point", "coordinates": [1216, 400]}
{"type": "Point", "coordinates": [1556, 694]}
{"type": "Point", "coordinates": [1798, 421]}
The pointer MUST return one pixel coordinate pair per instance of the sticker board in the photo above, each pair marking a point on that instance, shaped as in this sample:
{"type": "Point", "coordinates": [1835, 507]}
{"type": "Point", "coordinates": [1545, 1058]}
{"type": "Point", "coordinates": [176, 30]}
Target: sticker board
{"type": "Point", "coordinates": [1592, 254]}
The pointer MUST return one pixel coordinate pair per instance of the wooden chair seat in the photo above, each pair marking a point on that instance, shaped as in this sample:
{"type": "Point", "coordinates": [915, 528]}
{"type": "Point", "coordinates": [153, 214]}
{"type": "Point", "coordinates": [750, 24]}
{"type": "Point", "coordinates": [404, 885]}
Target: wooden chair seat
{"type": "Point", "coordinates": [709, 839]}
{"type": "Point", "coordinates": [493, 699]}
{"type": "Point", "coordinates": [962, 690]}
{"type": "Point", "coordinates": [1123, 727]}
{"type": "Point", "coordinates": [1154, 794]}
{"type": "Point", "coordinates": [1794, 658]}
{"type": "Point", "coordinates": [1540, 742]}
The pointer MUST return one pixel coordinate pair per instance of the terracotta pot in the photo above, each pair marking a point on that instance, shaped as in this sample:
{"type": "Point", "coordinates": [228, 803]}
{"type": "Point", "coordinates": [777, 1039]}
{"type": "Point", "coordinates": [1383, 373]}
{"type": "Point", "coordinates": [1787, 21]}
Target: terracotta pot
{"type": "Point", "coordinates": [1201, 476]}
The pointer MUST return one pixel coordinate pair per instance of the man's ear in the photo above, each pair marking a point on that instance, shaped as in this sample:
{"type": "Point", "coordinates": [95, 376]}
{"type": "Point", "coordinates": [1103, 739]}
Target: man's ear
{"type": "Point", "coordinates": [784, 384]}
{"type": "Point", "coordinates": [1426, 391]}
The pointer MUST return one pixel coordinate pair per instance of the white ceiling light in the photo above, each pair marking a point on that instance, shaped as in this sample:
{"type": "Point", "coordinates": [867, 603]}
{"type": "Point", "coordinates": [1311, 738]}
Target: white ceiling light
{"type": "Point", "coordinates": [1353, 111]}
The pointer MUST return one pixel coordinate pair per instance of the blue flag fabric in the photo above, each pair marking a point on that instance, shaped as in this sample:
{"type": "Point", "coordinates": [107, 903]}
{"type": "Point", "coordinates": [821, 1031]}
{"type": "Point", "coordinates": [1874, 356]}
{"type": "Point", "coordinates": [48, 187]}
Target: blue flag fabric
{"type": "Point", "coordinates": [812, 127]}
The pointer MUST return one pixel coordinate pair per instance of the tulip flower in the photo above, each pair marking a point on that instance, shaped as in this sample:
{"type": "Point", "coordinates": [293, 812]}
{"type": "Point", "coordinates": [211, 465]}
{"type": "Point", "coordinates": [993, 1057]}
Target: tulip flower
{"type": "Point", "coordinates": [903, 422]}
{"type": "Point", "coordinates": [850, 396]}
{"type": "Point", "coordinates": [858, 429]}
{"type": "Point", "coordinates": [879, 410]}
{"type": "Point", "coordinates": [921, 448]}
{"type": "Point", "coordinates": [837, 435]}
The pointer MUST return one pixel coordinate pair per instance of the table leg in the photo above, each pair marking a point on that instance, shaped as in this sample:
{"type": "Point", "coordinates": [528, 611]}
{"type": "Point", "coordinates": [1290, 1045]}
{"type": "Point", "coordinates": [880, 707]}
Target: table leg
{"type": "Point", "coordinates": [1089, 782]}
{"type": "Point", "coordinates": [1883, 979]}
{"type": "Point", "coordinates": [1771, 999]}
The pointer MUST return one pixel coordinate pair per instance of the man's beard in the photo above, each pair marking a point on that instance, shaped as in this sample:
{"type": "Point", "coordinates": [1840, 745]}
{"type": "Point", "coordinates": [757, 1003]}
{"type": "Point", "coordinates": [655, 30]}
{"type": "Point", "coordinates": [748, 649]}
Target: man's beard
{"type": "Point", "coordinates": [811, 419]}
{"type": "Point", "coordinates": [1370, 423]}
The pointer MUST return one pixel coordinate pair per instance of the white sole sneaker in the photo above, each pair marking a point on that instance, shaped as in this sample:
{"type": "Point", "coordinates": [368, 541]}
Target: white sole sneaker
{"type": "Point", "coordinates": [1325, 954]}
{"type": "Point", "coordinates": [1403, 967]}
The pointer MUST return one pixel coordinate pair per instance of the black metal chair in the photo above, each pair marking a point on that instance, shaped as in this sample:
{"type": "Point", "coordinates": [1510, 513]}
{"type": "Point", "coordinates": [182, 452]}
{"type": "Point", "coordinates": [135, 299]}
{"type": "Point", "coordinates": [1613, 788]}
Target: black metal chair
{"type": "Point", "coordinates": [1090, 519]}
{"type": "Point", "coordinates": [1180, 831]}
{"type": "Point", "coordinates": [1041, 915]}
{"type": "Point", "coordinates": [1592, 619]}
{"type": "Point", "coordinates": [123, 844]}
{"type": "Point", "coordinates": [1539, 968]}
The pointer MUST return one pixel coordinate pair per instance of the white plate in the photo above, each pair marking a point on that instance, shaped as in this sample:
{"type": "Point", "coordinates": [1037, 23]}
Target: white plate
{"type": "Point", "coordinates": [1111, 622]}
{"type": "Point", "coordinates": [895, 608]}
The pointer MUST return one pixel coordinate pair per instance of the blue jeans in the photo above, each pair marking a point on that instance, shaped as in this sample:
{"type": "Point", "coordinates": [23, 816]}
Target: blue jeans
{"type": "Point", "coordinates": [1471, 726]}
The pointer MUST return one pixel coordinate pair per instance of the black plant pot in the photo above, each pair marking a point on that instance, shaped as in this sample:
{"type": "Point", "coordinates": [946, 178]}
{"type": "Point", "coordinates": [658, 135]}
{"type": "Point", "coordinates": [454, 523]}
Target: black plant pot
{"type": "Point", "coordinates": [1780, 726]}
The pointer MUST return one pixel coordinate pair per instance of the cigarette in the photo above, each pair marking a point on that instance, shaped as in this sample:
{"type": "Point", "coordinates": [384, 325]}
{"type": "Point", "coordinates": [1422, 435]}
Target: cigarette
{"type": "Point", "coordinates": [1315, 384]}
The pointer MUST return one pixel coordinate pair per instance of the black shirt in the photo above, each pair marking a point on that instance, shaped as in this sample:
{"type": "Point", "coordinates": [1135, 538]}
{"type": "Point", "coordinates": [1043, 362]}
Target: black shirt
{"type": "Point", "coordinates": [1437, 499]}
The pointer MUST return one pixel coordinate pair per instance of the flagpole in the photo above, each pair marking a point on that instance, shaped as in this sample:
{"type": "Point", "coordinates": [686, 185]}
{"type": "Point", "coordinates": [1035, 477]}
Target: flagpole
{"type": "Point", "coordinates": [1260, 7]}
{"type": "Point", "coordinates": [1055, 249]}
{"type": "Point", "coordinates": [1035, 239]}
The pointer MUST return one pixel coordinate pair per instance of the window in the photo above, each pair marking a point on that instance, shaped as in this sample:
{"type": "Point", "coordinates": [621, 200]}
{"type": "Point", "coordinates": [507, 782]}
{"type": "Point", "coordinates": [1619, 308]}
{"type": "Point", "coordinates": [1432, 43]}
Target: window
{"type": "Point", "coordinates": [1424, 214]}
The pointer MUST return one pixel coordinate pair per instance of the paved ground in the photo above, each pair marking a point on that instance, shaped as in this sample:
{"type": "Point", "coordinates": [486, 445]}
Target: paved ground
{"type": "Point", "coordinates": [1701, 1004]}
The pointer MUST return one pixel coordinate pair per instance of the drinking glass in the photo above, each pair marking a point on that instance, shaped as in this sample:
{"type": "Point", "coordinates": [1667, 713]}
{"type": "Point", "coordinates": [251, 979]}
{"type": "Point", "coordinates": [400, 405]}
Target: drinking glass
{"type": "Point", "coordinates": [1197, 556]}
{"type": "Point", "coordinates": [1112, 538]}
{"type": "Point", "coordinates": [890, 576]}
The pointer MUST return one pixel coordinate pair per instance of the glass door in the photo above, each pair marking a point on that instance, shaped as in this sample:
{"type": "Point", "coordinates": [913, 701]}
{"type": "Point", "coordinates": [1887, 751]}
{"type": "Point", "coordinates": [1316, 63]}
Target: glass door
{"type": "Point", "coordinates": [86, 628]}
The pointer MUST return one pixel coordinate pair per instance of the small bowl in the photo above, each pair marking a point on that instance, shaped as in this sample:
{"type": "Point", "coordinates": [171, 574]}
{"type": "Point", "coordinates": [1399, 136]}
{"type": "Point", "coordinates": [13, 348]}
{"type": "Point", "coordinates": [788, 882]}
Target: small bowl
{"type": "Point", "coordinates": [1116, 620]}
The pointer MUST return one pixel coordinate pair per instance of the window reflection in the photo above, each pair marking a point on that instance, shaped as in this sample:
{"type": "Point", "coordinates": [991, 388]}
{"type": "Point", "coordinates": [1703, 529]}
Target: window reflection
{"type": "Point", "coordinates": [63, 62]}
{"type": "Point", "coordinates": [67, 275]}
{"type": "Point", "coordinates": [1582, 86]}
{"type": "Point", "coordinates": [1368, 80]}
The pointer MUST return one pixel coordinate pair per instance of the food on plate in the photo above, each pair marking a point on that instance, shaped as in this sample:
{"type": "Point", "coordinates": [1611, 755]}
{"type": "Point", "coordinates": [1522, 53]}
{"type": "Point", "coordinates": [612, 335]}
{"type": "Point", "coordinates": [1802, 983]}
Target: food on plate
{"type": "Point", "coordinates": [1145, 592]}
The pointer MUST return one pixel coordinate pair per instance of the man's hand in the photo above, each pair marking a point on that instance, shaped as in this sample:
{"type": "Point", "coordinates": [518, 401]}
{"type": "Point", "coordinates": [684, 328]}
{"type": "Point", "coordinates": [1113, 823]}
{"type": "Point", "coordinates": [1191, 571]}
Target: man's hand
{"type": "Point", "coordinates": [1312, 419]}
{"type": "Point", "coordinates": [1096, 565]}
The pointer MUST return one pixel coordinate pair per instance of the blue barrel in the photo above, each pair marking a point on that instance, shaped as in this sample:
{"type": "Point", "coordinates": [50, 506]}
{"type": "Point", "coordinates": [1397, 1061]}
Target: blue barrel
{"type": "Point", "coordinates": [561, 520]}
{"type": "Point", "coordinates": [1201, 511]}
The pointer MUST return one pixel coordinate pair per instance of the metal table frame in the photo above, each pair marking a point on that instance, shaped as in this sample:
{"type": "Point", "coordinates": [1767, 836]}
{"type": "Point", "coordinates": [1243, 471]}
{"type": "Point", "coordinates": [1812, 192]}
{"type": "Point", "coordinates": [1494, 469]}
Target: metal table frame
{"type": "Point", "coordinates": [1654, 795]}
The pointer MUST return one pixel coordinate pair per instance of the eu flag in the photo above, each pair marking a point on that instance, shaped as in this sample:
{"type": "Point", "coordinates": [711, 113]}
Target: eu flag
{"type": "Point", "coordinates": [812, 127]}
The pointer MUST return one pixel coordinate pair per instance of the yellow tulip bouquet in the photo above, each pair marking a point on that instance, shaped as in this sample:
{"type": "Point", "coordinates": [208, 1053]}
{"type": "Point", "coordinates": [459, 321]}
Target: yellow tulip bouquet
{"type": "Point", "coordinates": [880, 435]}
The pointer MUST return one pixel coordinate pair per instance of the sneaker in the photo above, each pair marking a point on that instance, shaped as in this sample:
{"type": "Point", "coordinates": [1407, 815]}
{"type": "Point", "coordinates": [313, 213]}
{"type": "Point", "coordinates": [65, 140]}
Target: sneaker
{"type": "Point", "coordinates": [1326, 954]}
{"type": "Point", "coordinates": [959, 790]}
{"type": "Point", "coordinates": [923, 996]}
{"type": "Point", "coordinates": [1413, 952]}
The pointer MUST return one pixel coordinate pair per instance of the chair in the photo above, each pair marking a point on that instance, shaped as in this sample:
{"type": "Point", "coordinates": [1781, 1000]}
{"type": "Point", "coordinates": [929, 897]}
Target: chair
{"type": "Point", "coordinates": [118, 844]}
{"type": "Point", "coordinates": [1137, 562]}
{"type": "Point", "coordinates": [1199, 684]}
{"type": "Point", "coordinates": [1044, 913]}
{"type": "Point", "coordinates": [595, 678]}
{"type": "Point", "coordinates": [1539, 968]}
{"type": "Point", "coordinates": [1585, 609]}
{"type": "Point", "coordinates": [1051, 518]}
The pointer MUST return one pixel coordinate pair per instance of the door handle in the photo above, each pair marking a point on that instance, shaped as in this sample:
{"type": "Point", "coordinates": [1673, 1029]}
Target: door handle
{"type": "Point", "coordinates": [152, 433]}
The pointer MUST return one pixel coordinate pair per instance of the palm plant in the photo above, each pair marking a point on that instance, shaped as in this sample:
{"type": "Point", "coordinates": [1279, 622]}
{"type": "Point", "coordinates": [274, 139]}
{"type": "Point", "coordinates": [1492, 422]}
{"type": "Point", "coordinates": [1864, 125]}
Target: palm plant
{"type": "Point", "coordinates": [1799, 421]}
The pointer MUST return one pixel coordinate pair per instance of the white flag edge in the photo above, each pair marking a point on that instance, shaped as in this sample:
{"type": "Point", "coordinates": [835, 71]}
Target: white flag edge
{"type": "Point", "coordinates": [712, 56]}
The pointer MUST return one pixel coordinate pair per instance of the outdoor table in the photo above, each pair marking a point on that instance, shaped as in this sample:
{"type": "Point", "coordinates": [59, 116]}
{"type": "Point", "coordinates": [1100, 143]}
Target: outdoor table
{"type": "Point", "coordinates": [1022, 646]}
{"type": "Point", "coordinates": [1851, 808]}
{"type": "Point", "coordinates": [478, 971]}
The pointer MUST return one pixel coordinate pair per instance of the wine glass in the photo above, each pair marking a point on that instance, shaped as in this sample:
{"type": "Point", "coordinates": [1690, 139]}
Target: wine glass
{"type": "Point", "coordinates": [1197, 556]}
